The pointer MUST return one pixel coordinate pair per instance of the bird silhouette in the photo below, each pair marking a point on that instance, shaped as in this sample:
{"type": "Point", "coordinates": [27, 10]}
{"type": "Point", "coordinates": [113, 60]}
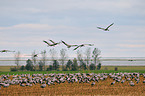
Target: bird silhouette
{"type": "Point", "coordinates": [54, 42]}
{"type": "Point", "coordinates": [6, 51]}
{"type": "Point", "coordinates": [113, 83]}
{"type": "Point", "coordinates": [49, 43]}
{"type": "Point", "coordinates": [131, 83]}
{"type": "Point", "coordinates": [33, 55]}
{"type": "Point", "coordinates": [93, 83]}
{"type": "Point", "coordinates": [106, 29]}
{"type": "Point", "coordinates": [82, 45]}
{"type": "Point", "coordinates": [68, 46]}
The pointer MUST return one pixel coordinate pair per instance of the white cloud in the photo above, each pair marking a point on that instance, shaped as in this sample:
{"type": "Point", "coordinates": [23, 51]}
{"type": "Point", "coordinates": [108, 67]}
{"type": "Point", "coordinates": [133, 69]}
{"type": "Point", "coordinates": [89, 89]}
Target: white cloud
{"type": "Point", "coordinates": [28, 26]}
{"type": "Point", "coordinates": [45, 6]}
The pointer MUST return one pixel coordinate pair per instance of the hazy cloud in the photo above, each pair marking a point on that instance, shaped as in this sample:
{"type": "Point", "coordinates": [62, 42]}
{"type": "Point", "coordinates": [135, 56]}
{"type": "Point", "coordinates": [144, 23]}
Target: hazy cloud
{"type": "Point", "coordinates": [131, 45]}
{"type": "Point", "coordinates": [25, 24]}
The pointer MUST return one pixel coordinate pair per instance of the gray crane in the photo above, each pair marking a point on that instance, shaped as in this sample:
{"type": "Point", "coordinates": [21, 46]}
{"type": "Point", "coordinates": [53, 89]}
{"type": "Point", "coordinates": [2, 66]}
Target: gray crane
{"type": "Point", "coordinates": [68, 46]}
{"type": "Point", "coordinates": [106, 29]}
{"type": "Point", "coordinates": [82, 45]}
{"type": "Point", "coordinates": [2, 51]}
{"type": "Point", "coordinates": [53, 44]}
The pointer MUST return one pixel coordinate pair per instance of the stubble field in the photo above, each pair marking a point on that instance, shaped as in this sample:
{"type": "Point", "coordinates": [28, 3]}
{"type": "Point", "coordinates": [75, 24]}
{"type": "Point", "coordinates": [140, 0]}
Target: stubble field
{"type": "Point", "coordinates": [103, 87]}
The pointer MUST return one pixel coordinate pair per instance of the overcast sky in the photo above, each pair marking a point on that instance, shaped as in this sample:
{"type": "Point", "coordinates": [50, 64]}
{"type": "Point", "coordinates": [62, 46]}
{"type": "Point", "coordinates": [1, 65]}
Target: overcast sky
{"type": "Point", "coordinates": [24, 24]}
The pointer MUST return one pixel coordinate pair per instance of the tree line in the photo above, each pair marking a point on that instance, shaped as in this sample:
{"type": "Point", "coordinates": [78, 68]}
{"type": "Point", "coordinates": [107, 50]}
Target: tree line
{"type": "Point", "coordinates": [91, 61]}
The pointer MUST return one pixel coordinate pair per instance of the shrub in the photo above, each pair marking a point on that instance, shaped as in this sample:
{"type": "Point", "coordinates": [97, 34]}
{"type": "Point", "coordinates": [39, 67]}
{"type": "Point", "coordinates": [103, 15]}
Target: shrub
{"type": "Point", "coordinates": [99, 66]}
{"type": "Point", "coordinates": [55, 65]}
{"type": "Point", "coordinates": [50, 68]}
{"type": "Point", "coordinates": [64, 69]}
{"type": "Point", "coordinates": [75, 65]}
{"type": "Point", "coordinates": [92, 66]}
{"type": "Point", "coordinates": [22, 67]}
{"type": "Point", "coordinates": [29, 65]}
{"type": "Point", "coordinates": [69, 64]}
{"type": "Point", "coordinates": [14, 69]}
{"type": "Point", "coordinates": [116, 68]}
{"type": "Point", "coordinates": [82, 65]}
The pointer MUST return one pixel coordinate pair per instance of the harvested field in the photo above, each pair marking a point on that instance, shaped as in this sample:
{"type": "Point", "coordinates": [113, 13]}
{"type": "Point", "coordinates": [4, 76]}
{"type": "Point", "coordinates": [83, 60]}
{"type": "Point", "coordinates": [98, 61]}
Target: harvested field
{"type": "Point", "coordinates": [103, 87]}
{"type": "Point", "coordinates": [75, 89]}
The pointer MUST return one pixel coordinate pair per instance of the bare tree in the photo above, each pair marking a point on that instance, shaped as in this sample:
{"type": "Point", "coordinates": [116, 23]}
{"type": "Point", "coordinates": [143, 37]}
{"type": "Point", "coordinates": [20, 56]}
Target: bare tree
{"type": "Point", "coordinates": [88, 55]}
{"type": "Point", "coordinates": [80, 58]}
{"type": "Point", "coordinates": [63, 57]}
{"type": "Point", "coordinates": [96, 53]}
{"type": "Point", "coordinates": [34, 56]}
{"type": "Point", "coordinates": [79, 55]}
{"type": "Point", "coordinates": [74, 65]}
{"type": "Point", "coordinates": [17, 58]}
{"type": "Point", "coordinates": [43, 53]}
{"type": "Point", "coordinates": [53, 53]}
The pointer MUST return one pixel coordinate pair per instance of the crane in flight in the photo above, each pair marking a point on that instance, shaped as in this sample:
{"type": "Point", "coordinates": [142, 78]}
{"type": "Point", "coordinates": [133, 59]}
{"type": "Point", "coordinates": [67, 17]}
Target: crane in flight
{"type": "Point", "coordinates": [2, 51]}
{"type": "Point", "coordinates": [106, 29]}
{"type": "Point", "coordinates": [33, 55]}
{"type": "Point", "coordinates": [53, 43]}
{"type": "Point", "coordinates": [82, 45]}
{"type": "Point", "coordinates": [68, 45]}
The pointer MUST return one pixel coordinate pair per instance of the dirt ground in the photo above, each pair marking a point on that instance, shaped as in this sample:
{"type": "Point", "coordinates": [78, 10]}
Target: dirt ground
{"type": "Point", "coordinates": [71, 89]}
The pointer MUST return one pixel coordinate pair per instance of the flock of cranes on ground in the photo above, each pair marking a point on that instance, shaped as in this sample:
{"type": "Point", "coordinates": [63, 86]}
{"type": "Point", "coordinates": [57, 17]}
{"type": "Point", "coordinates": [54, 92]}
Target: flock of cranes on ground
{"type": "Point", "coordinates": [54, 79]}
{"type": "Point", "coordinates": [68, 45]}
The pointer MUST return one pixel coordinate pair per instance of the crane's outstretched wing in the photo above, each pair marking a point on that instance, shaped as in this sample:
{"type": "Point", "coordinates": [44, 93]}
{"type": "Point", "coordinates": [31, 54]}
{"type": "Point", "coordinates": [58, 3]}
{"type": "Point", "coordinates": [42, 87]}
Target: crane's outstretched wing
{"type": "Point", "coordinates": [77, 47]}
{"type": "Point", "coordinates": [55, 42]}
{"type": "Point", "coordinates": [68, 44]}
{"type": "Point", "coordinates": [48, 43]}
{"type": "Point", "coordinates": [45, 42]}
{"type": "Point", "coordinates": [64, 43]}
{"type": "Point", "coordinates": [110, 25]}
{"type": "Point", "coordinates": [83, 45]}
{"type": "Point", "coordinates": [100, 28]}
{"type": "Point", "coordinates": [51, 41]}
{"type": "Point", "coordinates": [89, 44]}
{"type": "Point", "coordinates": [74, 45]}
